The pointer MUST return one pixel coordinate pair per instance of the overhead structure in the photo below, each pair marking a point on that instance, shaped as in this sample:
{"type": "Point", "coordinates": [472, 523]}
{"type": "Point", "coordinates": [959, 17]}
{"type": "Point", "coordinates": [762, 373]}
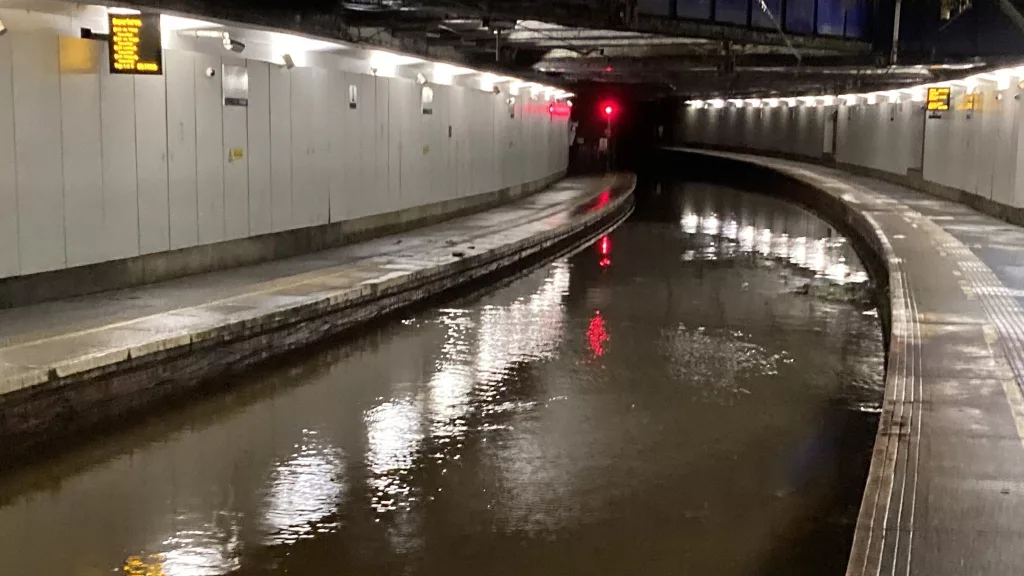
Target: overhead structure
{"type": "Point", "coordinates": [693, 48]}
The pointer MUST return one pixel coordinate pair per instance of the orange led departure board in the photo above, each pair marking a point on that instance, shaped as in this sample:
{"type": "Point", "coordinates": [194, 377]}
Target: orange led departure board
{"type": "Point", "coordinates": [938, 98]}
{"type": "Point", "coordinates": [134, 45]}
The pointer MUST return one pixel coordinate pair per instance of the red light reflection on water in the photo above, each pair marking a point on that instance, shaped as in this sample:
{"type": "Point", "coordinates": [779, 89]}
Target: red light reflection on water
{"type": "Point", "coordinates": [604, 247]}
{"type": "Point", "coordinates": [597, 334]}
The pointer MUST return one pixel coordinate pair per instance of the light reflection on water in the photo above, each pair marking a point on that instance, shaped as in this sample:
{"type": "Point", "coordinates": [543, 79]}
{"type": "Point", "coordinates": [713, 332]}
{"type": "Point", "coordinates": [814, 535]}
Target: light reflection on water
{"type": "Point", "coordinates": [304, 492]}
{"type": "Point", "coordinates": [746, 225]}
{"type": "Point", "coordinates": [627, 410]}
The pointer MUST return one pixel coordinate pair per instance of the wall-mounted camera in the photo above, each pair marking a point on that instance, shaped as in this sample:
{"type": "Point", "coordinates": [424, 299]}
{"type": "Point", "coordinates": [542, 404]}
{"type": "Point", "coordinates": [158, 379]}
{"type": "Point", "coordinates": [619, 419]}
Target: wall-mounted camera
{"type": "Point", "coordinates": [210, 72]}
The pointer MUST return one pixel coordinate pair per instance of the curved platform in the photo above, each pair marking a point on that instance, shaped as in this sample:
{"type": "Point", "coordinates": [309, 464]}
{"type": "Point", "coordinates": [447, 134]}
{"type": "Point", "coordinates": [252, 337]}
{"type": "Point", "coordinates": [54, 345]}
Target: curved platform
{"type": "Point", "coordinates": [69, 365]}
{"type": "Point", "coordinates": [945, 491]}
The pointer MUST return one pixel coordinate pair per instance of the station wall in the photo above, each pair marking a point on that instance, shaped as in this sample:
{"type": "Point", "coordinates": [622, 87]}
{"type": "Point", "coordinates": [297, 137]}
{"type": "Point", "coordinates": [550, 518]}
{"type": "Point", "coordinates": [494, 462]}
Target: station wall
{"type": "Point", "coordinates": [973, 149]}
{"type": "Point", "coordinates": [97, 167]}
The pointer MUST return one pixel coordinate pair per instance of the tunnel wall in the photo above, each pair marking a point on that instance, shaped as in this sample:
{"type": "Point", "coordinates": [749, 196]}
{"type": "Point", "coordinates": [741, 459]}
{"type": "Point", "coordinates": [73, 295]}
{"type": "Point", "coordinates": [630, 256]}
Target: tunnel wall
{"type": "Point", "coordinates": [968, 155]}
{"type": "Point", "coordinates": [96, 167]}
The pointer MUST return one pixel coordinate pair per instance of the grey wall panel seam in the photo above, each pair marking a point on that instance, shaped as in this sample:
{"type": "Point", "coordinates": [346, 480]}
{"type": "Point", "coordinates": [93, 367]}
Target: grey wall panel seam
{"type": "Point", "coordinates": [14, 149]}
{"type": "Point", "coordinates": [135, 158]}
{"type": "Point", "coordinates": [63, 188]}
{"type": "Point", "coordinates": [167, 158]}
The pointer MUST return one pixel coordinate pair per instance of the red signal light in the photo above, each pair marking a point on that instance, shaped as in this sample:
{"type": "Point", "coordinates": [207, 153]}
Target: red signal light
{"type": "Point", "coordinates": [609, 110]}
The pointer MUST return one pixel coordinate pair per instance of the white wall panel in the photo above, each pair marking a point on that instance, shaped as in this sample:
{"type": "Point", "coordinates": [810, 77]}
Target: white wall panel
{"type": "Point", "coordinates": [210, 150]}
{"type": "Point", "coordinates": [9, 260]}
{"type": "Point", "coordinates": [1005, 166]}
{"type": "Point", "coordinates": [373, 188]}
{"type": "Point", "coordinates": [120, 181]}
{"type": "Point", "coordinates": [303, 203]}
{"type": "Point", "coordinates": [384, 181]}
{"type": "Point", "coordinates": [82, 156]}
{"type": "Point", "coordinates": [143, 163]}
{"type": "Point", "coordinates": [281, 148]}
{"type": "Point", "coordinates": [151, 154]}
{"type": "Point", "coordinates": [236, 170]}
{"type": "Point", "coordinates": [321, 159]}
{"type": "Point", "coordinates": [339, 120]}
{"type": "Point", "coordinates": [395, 100]}
{"type": "Point", "coordinates": [258, 152]}
{"type": "Point", "coordinates": [38, 151]}
{"type": "Point", "coordinates": [179, 70]}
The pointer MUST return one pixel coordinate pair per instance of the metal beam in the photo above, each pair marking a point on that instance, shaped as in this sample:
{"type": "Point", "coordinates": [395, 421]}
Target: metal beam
{"type": "Point", "coordinates": [586, 16]}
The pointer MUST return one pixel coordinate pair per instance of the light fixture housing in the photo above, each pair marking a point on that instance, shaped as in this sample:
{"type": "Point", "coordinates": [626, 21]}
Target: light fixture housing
{"type": "Point", "coordinates": [232, 45]}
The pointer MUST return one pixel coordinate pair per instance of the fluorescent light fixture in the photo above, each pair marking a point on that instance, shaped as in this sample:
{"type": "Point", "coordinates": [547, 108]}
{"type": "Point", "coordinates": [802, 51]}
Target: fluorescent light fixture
{"type": "Point", "coordinates": [810, 101]}
{"type": "Point", "coordinates": [771, 102]}
{"type": "Point", "coordinates": [717, 103]}
{"type": "Point", "coordinates": [827, 100]}
{"type": "Point", "coordinates": [118, 11]}
{"type": "Point", "coordinates": [386, 63]}
{"type": "Point", "coordinates": [176, 23]}
{"type": "Point", "coordinates": [488, 81]}
{"type": "Point", "coordinates": [755, 102]}
{"type": "Point", "coordinates": [695, 103]}
{"type": "Point", "coordinates": [737, 102]}
{"type": "Point", "coordinates": [872, 98]}
{"type": "Point", "coordinates": [446, 73]}
{"type": "Point", "coordinates": [516, 86]}
{"type": "Point", "coordinates": [790, 101]}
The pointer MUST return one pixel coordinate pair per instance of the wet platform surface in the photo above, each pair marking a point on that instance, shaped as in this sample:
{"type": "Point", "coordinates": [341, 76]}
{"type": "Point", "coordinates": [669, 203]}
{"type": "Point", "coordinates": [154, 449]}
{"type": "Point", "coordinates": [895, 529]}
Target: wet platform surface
{"type": "Point", "coordinates": [76, 335]}
{"type": "Point", "coordinates": [945, 493]}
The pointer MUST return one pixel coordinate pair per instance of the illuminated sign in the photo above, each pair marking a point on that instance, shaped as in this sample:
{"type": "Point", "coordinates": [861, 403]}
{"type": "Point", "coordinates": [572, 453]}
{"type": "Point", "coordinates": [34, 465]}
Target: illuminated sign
{"type": "Point", "coordinates": [134, 44]}
{"type": "Point", "coordinates": [938, 98]}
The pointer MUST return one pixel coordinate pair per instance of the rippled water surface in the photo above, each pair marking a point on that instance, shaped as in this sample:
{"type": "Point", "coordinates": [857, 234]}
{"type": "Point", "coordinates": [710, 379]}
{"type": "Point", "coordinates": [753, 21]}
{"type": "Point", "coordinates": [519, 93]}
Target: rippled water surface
{"type": "Point", "coordinates": [666, 401]}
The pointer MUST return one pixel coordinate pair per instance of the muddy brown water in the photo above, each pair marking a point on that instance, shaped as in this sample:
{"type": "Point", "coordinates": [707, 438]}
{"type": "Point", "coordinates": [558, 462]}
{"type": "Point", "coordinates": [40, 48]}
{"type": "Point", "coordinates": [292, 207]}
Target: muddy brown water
{"type": "Point", "coordinates": [662, 402]}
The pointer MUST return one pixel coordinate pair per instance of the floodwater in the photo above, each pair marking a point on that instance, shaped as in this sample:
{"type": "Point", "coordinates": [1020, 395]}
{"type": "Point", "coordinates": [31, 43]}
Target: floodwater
{"type": "Point", "coordinates": [665, 401]}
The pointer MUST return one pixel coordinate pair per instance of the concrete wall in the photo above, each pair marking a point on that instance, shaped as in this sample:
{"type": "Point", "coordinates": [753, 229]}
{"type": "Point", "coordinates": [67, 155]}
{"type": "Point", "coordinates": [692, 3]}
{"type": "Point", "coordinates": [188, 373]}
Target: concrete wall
{"type": "Point", "coordinates": [97, 167]}
{"type": "Point", "coordinates": [971, 155]}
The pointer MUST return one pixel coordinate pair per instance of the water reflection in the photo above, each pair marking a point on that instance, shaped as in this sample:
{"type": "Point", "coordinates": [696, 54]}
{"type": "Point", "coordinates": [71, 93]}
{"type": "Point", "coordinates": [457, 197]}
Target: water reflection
{"type": "Point", "coordinates": [304, 492]}
{"type": "Point", "coordinates": [732, 222]}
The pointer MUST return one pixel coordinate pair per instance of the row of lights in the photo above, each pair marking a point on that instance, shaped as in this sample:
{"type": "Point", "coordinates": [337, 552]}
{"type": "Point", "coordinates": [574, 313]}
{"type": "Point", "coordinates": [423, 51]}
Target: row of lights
{"type": "Point", "coordinates": [1002, 78]}
{"type": "Point", "coordinates": [287, 50]}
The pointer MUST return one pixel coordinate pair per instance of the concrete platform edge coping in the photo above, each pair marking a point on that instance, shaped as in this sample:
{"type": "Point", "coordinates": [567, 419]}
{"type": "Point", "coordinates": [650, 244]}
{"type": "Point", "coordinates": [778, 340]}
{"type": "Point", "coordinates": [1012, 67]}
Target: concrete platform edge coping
{"type": "Point", "coordinates": [100, 390]}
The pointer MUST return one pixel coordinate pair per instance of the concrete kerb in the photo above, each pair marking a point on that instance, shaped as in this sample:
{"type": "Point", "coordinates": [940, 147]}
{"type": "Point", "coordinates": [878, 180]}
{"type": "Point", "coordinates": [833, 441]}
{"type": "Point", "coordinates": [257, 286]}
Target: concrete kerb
{"type": "Point", "coordinates": [891, 442]}
{"type": "Point", "coordinates": [54, 401]}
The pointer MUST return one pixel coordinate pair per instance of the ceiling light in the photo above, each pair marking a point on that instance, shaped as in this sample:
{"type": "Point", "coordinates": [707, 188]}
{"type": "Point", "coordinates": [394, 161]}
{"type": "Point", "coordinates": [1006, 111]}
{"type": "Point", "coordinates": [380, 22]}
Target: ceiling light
{"type": "Point", "coordinates": [118, 11]}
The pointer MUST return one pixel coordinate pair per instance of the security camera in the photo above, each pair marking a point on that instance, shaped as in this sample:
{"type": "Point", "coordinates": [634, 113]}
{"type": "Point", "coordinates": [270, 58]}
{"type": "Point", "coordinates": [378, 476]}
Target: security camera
{"type": "Point", "coordinates": [496, 90]}
{"type": "Point", "coordinates": [210, 72]}
{"type": "Point", "coordinates": [289, 63]}
{"type": "Point", "coordinates": [420, 78]}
